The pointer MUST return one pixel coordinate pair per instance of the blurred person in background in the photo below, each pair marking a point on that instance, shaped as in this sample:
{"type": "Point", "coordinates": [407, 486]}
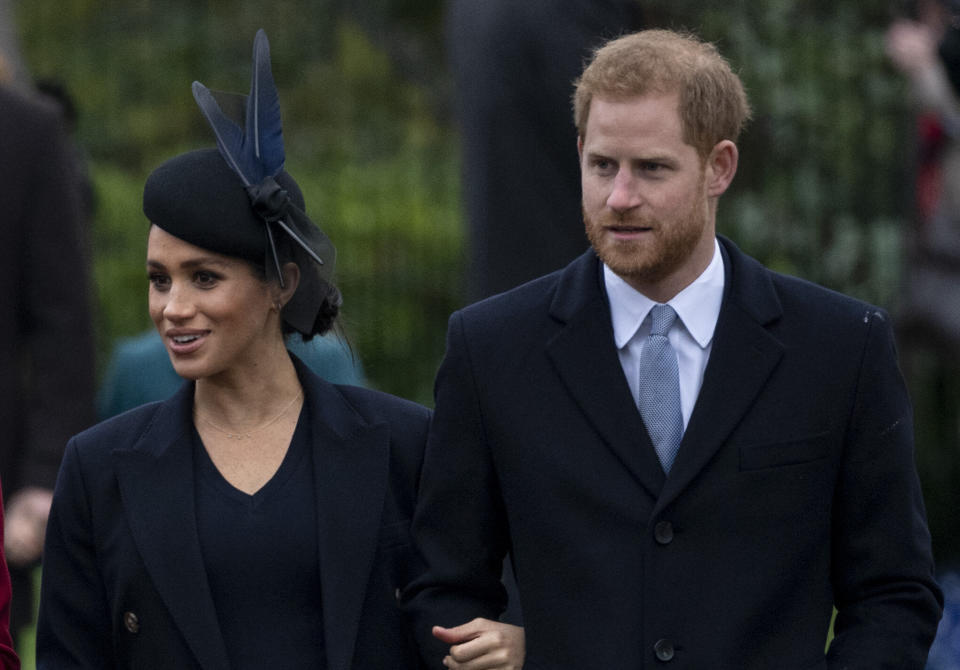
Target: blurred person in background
{"type": "Point", "coordinates": [927, 50]}
{"type": "Point", "coordinates": [513, 63]}
{"type": "Point", "coordinates": [57, 92]}
{"type": "Point", "coordinates": [925, 46]}
{"type": "Point", "coordinates": [46, 347]}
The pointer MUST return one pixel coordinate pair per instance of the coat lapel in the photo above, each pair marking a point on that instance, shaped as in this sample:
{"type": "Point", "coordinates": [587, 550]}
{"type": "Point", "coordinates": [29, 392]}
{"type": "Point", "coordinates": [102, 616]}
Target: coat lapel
{"type": "Point", "coordinates": [743, 356]}
{"type": "Point", "coordinates": [585, 357]}
{"type": "Point", "coordinates": [156, 486]}
{"type": "Point", "coordinates": [351, 464]}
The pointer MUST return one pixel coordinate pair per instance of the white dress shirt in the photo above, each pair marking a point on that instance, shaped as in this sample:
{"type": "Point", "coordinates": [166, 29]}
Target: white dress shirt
{"type": "Point", "coordinates": [697, 307]}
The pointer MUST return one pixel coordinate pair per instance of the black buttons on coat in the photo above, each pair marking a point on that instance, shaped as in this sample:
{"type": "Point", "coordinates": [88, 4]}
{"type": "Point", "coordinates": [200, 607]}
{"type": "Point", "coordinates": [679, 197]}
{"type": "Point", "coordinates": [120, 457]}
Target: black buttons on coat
{"type": "Point", "coordinates": [663, 532]}
{"type": "Point", "coordinates": [664, 650]}
{"type": "Point", "coordinates": [131, 622]}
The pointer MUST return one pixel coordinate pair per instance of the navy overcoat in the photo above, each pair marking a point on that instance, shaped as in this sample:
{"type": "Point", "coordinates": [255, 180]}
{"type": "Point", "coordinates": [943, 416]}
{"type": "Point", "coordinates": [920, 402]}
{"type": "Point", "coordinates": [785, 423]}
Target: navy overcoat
{"type": "Point", "coordinates": [794, 490]}
{"type": "Point", "coordinates": [124, 584]}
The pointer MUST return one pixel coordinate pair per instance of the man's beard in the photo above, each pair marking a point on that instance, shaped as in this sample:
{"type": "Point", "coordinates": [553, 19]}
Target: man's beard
{"type": "Point", "coordinates": [666, 247]}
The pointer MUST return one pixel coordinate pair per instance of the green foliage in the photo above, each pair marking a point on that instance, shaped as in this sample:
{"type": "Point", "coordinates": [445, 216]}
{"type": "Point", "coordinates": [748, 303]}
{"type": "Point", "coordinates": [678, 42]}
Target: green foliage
{"type": "Point", "coordinates": [819, 192]}
{"type": "Point", "coordinates": [119, 242]}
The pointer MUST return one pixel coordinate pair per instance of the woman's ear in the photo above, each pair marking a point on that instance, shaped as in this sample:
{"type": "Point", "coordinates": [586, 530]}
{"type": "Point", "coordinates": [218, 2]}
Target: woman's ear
{"type": "Point", "coordinates": [721, 167]}
{"type": "Point", "coordinates": [291, 280]}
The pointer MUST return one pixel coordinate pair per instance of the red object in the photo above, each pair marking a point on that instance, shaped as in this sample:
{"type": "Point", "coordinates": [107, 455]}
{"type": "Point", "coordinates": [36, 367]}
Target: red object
{"type": "Point", "coordinates": [8, 657]}
{"type": "Point", "coordinates": [929, 170]}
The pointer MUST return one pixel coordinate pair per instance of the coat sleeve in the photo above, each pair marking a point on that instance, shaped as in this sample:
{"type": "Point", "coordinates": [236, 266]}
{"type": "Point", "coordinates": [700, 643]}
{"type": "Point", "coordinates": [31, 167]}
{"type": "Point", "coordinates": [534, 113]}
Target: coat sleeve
{"type": "Point", "coordinates": [887, 601]}
{"type": "Point", "coordinates": [73, 629]}
{"type": "Point", "coordinates": [460, 525]}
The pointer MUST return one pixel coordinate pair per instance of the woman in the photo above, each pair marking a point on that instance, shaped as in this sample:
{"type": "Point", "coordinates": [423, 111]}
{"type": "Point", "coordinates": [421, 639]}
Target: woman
{"type": "Point", "coordinates": [260, 516]}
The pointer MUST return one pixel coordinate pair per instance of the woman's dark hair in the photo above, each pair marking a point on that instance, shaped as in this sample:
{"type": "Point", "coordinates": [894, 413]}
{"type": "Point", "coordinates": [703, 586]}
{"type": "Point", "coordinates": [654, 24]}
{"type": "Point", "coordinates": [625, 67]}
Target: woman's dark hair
{"type": "Point", "coordinates": [326, 315]}
{"type": "Point", "coordinates": [329, 295]}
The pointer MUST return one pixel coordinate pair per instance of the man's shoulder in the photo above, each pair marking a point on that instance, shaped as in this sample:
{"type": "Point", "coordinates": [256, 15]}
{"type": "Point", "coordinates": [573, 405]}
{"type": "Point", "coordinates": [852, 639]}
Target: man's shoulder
{"type": "Point", "coordinates": [535, 299]}
{"type": "Point", "coordinates": [755, 283]}
{"type": "Point", "coordinates": [818, 306]}
{"type": "Point", "coordinates": [519, 298]}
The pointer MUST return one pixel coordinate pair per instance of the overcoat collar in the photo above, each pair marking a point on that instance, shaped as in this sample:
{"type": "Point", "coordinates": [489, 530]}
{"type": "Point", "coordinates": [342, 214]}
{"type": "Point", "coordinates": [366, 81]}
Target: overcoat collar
{"type": "Point", "coordinates": [585, 356]}
{"type": "Point", "coordinates": [743, 355]}
{"type": "Point", "coordinates": [351, 459]}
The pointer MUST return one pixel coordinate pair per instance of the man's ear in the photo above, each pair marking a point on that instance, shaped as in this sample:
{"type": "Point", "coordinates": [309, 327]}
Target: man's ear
{"type": "Point", "coordinates": [580, 147]}
{"type": "Point", "coordinates": [720, 167]}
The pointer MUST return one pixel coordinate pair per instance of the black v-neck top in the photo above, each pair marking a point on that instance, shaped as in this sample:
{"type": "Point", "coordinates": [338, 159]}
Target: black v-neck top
{"type": "Point", "coordinates": [261, 556]}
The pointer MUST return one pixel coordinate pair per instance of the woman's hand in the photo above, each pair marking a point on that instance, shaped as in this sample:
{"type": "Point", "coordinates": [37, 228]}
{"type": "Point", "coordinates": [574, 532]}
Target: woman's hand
{"type": "Point", "coordinates": [483, 644]}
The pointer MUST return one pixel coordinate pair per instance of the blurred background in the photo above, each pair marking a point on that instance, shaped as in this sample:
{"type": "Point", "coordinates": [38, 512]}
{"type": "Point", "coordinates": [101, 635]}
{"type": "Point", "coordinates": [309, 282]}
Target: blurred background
{"type": "Point", "coordinates": [825, 190]}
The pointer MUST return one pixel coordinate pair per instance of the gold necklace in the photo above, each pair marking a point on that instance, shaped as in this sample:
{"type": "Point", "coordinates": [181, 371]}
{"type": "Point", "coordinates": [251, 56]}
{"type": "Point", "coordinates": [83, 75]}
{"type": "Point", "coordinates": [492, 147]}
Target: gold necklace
{"type": "Point", "coordinates": [246, 435]}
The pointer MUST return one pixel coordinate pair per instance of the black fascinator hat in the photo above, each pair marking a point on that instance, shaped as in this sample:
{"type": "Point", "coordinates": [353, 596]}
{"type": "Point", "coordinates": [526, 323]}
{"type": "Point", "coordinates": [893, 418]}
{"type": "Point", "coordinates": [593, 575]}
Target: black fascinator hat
{"type": "Point", "coordinates": [238, 201]}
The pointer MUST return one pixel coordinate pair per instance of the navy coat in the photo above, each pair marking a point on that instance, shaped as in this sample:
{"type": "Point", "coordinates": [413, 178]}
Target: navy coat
{"type": "Point", "coordinates": [794, 489]}
{"type": "Point", "coordinates": [123, 579]}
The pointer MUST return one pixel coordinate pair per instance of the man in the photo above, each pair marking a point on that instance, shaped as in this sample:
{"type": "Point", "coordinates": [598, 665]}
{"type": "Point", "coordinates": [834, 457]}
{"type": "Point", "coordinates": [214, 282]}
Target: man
{"type": "Point", "coordinates": [695, 492]}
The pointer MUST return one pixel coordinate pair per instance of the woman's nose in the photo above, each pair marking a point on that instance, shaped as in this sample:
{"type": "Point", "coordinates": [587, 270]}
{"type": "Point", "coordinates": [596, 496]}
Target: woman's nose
{"type": "Point", "coordinates": [179, 305]}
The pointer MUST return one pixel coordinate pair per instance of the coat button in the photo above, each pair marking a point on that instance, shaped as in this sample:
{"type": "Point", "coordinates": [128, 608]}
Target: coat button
{"type": "Point", "coordinates": [664, 650]}
{"type": "Point", "coordinates": [663, 532]}
{"type": "Point", "coordinates": [131, 622]}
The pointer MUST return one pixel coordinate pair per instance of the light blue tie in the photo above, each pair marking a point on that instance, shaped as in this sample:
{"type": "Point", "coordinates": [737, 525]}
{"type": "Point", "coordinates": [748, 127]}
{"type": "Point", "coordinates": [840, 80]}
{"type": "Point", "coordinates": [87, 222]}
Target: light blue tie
{"type": "Point", "coordinates": [659, 400]}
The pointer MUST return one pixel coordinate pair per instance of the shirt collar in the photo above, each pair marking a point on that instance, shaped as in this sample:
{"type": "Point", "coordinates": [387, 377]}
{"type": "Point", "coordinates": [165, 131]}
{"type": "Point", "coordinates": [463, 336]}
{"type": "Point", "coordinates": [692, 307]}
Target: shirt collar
{"type": "Point", "coordinates": [698, 305]}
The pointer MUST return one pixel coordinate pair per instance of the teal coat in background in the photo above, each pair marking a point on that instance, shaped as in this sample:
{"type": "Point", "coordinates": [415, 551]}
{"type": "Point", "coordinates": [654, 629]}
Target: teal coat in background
{"type": "Point", "coordinates": [140, 371]}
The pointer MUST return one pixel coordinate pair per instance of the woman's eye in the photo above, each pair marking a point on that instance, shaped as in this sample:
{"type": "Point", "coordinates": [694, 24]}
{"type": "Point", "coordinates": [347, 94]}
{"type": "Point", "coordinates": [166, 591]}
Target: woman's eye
{"type": "Point", "coordinates": [159, 281]}
{"type": "Point", "coordinates": [204, 278]}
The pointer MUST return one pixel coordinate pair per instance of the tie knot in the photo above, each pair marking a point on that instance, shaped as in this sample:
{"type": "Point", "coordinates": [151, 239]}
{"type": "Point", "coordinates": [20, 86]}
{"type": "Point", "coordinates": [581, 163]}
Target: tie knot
{"type": "Point", "coordinates": [662, 318]}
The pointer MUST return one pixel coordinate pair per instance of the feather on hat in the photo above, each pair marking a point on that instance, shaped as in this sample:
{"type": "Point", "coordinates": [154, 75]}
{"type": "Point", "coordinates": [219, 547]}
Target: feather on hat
{"type": "Point", "coordinates": [193, 197]}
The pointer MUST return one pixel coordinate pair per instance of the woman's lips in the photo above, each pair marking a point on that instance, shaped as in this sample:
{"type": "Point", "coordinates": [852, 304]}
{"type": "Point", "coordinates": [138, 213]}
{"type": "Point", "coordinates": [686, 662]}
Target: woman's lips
{"type": "Point", "coordinates": [182, 343]}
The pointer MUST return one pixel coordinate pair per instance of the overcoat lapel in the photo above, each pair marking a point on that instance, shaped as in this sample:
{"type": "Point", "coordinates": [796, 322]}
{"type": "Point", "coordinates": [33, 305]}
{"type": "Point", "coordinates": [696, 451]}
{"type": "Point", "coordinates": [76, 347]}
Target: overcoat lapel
{"type": "Point", "coordinates": [156, 486]}
{"type": "Point", "coordinates": [351, 464]}
{"type": "Point", "coordinates": [585, 357]}
{"type": "Point", "coordinates": [744, 354]}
